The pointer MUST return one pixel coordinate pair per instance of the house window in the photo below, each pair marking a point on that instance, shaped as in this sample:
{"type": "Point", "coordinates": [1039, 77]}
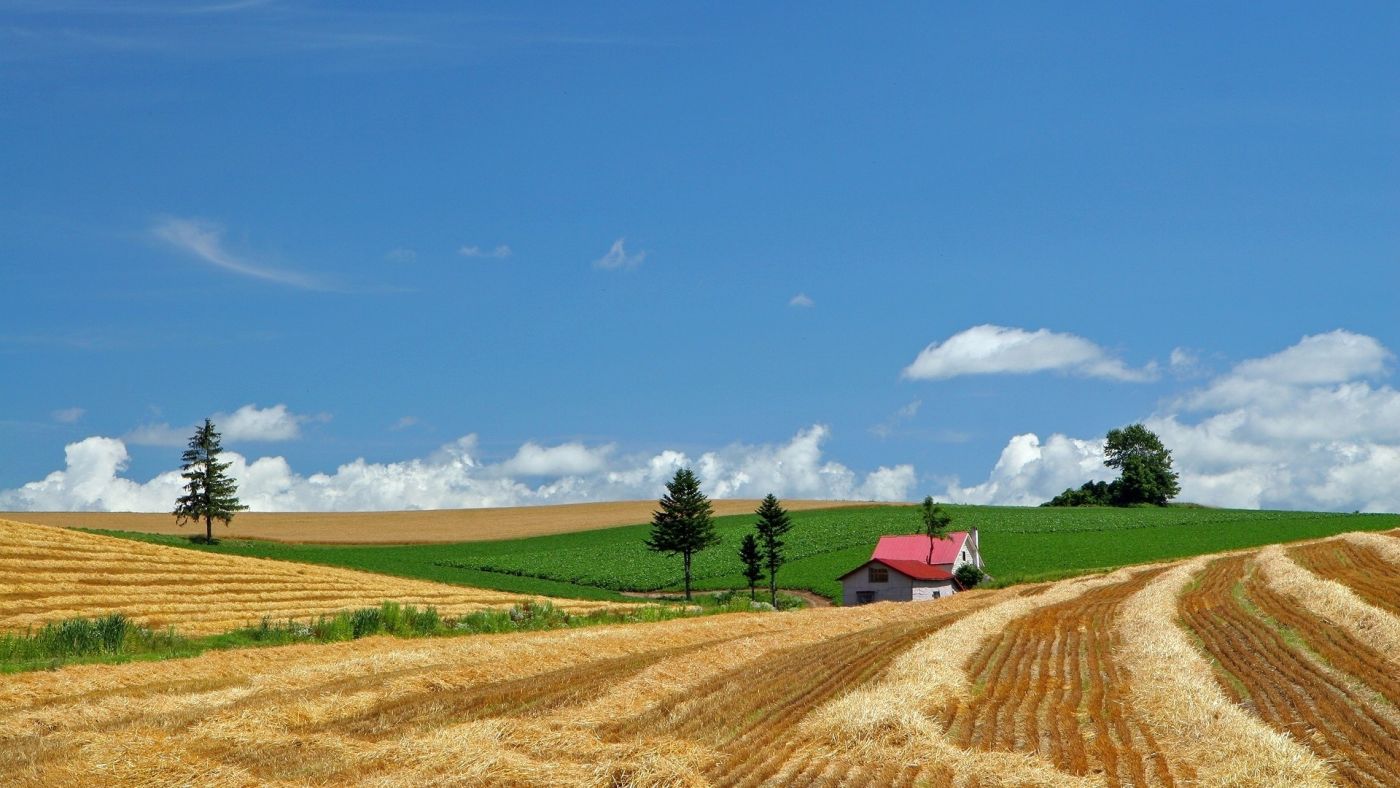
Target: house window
{"type": "Point", "coordinates": [964, 555]}
{"type": "Point", "coordinates": [865, 597]}
{"type": "Point", "coordinates": [879, 574]}
{"type": "Point", "coordinates": [937, 594]}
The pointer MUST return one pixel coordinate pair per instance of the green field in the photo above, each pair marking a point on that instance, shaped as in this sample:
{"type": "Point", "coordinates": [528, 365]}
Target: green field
{"type": "Point", "coordinates": [1018, 545]}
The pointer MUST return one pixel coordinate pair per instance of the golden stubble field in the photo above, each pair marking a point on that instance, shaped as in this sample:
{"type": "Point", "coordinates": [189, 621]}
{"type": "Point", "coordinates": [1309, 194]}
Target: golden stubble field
{"type": "Point", "coordinates": [415, 527]}
{"type": "Point", "coordinates": [1238, 669]}
{"type": "Point", "coordinates": [48, 574]}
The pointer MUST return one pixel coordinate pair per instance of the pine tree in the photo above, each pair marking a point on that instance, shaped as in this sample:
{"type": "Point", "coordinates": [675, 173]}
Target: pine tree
{"type": "Point", "coordinates": [683, 525]}
{"type": "Point", "coordinates": [773, 524]}
{"type": "Point", "coordinates": [210, 494]}
{"type": "Point", "coordinates": [753, 563]}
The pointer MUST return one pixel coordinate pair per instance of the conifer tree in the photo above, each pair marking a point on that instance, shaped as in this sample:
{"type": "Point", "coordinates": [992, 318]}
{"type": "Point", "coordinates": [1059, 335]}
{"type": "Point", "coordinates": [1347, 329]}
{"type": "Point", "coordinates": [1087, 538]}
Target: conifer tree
{"type": "Point", "coordinates": [753, 563]}
{"type": "Point", "coordinates": [683, 523]}
{"type": "Point", "coordinates": [773, 524]}
{"type": "Point", "coordinates": [210, 493]}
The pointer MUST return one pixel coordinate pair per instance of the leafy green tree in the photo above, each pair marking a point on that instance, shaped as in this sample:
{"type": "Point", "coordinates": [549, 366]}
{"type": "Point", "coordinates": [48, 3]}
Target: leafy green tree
{"type": "Point", "coordinates": [935, 522]}
{"type": "Point", "coordinates": [210, 493]}
{"type": "Point", "coordinates": [683, 524]}
{"type": "Point", "coordinates": [752, 557]}
{"type": "Point", "coordinates": [773, 524]}
{"type": "Point", "coordinates": [1145, 466]}
{"type": "Point", "coordinates": [1145, 473]}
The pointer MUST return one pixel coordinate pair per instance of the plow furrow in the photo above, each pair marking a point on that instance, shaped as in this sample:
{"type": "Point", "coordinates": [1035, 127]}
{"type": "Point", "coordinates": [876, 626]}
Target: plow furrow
{"type": "Point", "coordinates": [1285, 687]}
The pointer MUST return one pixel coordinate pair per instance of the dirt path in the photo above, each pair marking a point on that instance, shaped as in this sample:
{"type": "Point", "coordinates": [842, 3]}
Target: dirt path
{"type": "Point", "coordinates": [813, 600]}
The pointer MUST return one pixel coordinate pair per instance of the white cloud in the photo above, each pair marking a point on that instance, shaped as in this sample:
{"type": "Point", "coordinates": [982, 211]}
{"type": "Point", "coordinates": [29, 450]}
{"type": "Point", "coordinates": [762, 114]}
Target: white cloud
{"type": "Point", "coordinates": [68, 415]}
{"type": "Point", "coordinates": [500, 252]}
{"type": "Point", "coordinates": [455, 477]}
{"type": "Point", "coordinates": [400, 255]}
{"type": "Point", "coordinates": [248, 423]}
{"type": "Point", "coordinates": [566, 459]}
{"type": "Point", "coordinates": [990, 350]}
{"type": "Point", "coordinates": [404, 423]}
{"type": "Point", "coordinates": [617, 257]}
{"type": "Point", "coordinates": [801, 299]}
{"type": "Point", "coordinates": [1299, 429]}
{"type": "Point", "coordinates": [205, 240]}
{"type": "Point", "coordinates": [906, 412]}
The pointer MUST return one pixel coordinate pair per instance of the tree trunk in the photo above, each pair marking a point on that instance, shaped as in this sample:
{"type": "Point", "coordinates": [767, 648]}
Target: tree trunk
{"type": "Point", "coordinates": [687, 577]}
{"type": "Point", "coordinates": [773, 587]}
{"type": "Point", "coordinates": [208, 529]}
{"type": "Point", "coordinates": [753, 593]}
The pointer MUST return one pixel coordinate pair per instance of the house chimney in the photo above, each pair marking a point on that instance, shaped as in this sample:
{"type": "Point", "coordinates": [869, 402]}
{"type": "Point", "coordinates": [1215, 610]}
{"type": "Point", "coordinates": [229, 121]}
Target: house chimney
{"type": "Point", "coordinates": [976, 548]}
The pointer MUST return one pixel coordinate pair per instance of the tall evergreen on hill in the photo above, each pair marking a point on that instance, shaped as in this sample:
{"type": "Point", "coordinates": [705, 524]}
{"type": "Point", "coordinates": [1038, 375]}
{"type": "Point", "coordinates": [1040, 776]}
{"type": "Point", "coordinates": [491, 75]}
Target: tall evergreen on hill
{"type": "Point", "coordinates": [773, 524]}
{"type": "Point", "coordinates": [683, 524]}
{"type": "Point", "coordinates": [210, 493]}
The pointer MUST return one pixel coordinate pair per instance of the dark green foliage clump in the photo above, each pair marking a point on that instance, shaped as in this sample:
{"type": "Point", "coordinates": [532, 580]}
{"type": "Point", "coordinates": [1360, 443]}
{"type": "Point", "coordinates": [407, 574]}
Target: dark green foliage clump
{"type": "Point", "coordinates": [1145, 475]}
{"type": "Point", "coordinates": [683, 524]}
{"type": "Point", "coordinates": [752, 559]}
{"type": "Point", "coordinates": [968, 575]}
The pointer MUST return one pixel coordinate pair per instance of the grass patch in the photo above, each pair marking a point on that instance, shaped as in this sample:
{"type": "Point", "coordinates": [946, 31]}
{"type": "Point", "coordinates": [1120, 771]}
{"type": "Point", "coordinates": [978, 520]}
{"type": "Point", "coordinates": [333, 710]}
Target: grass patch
{"type": "Point", "coordinates": [1019, 544]}
{"type": "Point", "coordinates": [115, 638]}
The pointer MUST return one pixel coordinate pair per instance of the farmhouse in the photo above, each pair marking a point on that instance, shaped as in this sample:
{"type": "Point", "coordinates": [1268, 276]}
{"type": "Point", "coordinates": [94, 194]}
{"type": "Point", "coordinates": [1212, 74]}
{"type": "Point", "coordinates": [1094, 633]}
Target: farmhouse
{"type": "Point", "coordinates": [909, 568]}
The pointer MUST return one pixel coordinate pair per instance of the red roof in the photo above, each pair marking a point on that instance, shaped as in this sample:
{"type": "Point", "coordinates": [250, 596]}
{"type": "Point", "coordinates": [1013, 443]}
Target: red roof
{"type": "Point", "coordinates": [915, 549]}
{"type": "Point", "coordinates": [915, 569]}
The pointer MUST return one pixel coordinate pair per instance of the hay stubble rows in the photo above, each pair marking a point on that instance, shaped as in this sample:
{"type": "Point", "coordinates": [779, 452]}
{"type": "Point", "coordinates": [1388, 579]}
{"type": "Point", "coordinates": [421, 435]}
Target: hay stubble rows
{"type": "Point", "coordinates": [1216, 671]}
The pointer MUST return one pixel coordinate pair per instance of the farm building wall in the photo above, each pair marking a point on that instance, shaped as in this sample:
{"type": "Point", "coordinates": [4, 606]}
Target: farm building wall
{"type": "Point", "coordinates": [899, 588]}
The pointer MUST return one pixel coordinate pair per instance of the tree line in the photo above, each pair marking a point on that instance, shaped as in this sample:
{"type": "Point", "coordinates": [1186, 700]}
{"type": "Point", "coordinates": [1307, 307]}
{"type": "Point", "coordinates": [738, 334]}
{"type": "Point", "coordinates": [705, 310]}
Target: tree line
{"type": "Point", "coordinates": [1145, 473]}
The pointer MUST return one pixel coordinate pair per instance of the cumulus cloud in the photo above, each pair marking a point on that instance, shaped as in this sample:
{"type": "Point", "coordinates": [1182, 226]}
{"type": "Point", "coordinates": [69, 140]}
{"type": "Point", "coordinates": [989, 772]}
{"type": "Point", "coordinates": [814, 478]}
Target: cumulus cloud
{"type": "Point", "coordinates": [500, 252]}
{"type": "Point", "coordinates": [205, 241]}
{"type": "Point", "coordinates": [801, 299]}
{"type": "Point", "coordinates": [68, 415]}
{"type": "Point", "coordinates": [618, 257]}
{"type": "Point", "coordinates": [248, 423]}
{"type": "Point", "coordinates": [992, 350]}
{"type": "Point", "coordinates": [456, 476]}
{"type": "Point", "coordinates": [1300, 429]}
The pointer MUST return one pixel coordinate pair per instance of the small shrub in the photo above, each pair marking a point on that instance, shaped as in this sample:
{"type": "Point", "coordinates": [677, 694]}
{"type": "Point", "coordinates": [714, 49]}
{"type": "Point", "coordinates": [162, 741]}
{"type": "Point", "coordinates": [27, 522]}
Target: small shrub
{"type": "Point", "coordinates": [968, 575]}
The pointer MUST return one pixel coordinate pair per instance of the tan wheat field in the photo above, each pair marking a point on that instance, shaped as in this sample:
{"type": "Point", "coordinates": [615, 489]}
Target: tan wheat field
{"type": "Point", "coordinates": [48, 573]}
{"type": "Point", "coordinates": [1239, 669]}
{"type": "Point", "coordinates": [415, 527]}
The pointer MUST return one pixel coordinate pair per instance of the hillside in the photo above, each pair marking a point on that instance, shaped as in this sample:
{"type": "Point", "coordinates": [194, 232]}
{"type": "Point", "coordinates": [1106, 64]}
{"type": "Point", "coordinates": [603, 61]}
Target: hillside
{"type": "Point", "coordinates": [414, 527]}
{"type": "Point", "coordinates": [1273, 677]}
{"type": "Point", "coordinates": [1019, 545]}
{"type": "Point", "coordinates": [49, 574]}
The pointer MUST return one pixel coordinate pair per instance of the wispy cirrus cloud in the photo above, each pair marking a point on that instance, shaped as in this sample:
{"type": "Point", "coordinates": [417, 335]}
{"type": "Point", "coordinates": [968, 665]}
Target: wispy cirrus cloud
{"type": "Point", "coordinates": [619, 258]}
{"type": "Point", "coordinates": [499, 252]}
{"type": "Point", "coordinates": [1000, 350]}
{"type": "Point", "coordinates": [802, 300]}
{"type": "Point", "coordinates": [204, 240]}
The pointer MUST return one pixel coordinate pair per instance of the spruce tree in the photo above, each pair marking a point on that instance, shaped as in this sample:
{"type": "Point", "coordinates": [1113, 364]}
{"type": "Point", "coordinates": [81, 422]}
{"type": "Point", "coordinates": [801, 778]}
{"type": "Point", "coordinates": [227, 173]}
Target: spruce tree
{"type": "Point", "coordinates": [753, 563]}
{"type": "Point", "coordinates": [210, 493]}
{"type": "Point", "coordinates": [682, 525]}
{"type": "Point", "coordinates": [773, 524]}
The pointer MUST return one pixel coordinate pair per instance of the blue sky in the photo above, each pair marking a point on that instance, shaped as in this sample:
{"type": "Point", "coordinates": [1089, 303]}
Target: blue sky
{"type": "Point", "coordinates": [365, 233]}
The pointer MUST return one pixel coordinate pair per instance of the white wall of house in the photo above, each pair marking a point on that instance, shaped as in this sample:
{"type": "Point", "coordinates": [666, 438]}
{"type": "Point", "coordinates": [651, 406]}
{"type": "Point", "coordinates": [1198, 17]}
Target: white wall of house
{"type": "Point", "coordinates": [899, 588]}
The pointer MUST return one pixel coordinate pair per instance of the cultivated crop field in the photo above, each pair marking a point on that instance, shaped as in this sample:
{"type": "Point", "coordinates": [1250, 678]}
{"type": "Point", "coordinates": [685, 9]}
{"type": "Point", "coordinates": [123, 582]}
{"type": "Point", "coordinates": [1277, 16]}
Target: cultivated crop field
{"type": "Point", "coordinates": [415, 527]}
{"type": "Point", "coordinates": [48, 574]}
{"type": "Point", "coordinates": [1241, 668]}
{"type": "Point", "coordinates": [1018, 544]}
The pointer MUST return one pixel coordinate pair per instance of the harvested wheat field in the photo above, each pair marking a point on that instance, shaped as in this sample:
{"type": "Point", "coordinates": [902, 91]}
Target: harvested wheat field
{"type": "Point", "coordinates": [48, 574]}
{"type": "Point", "coordinates": [416, 527]}
{"type": "Point", "coordinates": [1239, 669]}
